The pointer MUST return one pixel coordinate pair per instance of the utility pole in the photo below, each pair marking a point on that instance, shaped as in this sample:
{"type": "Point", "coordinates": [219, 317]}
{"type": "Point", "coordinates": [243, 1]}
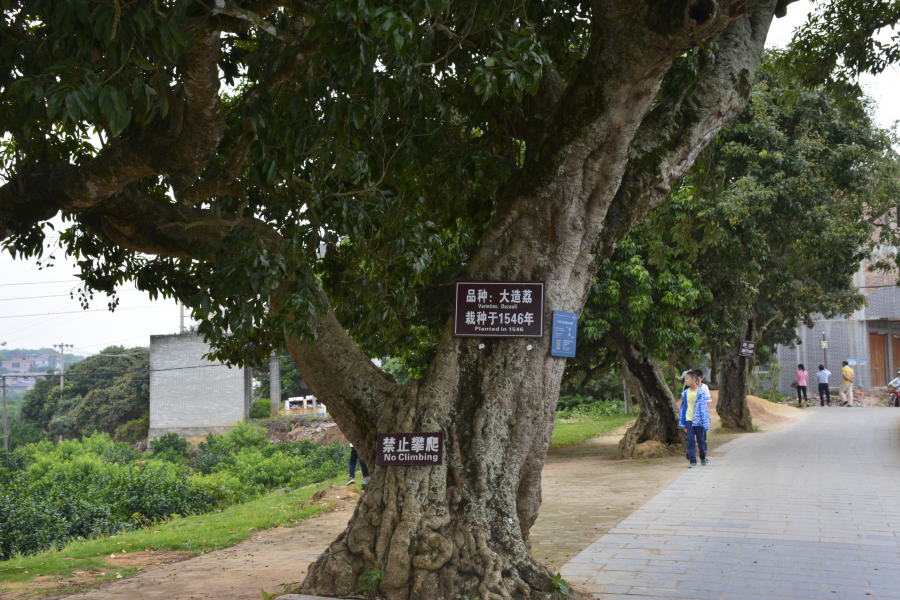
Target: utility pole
{"type": "Point", "coordinates": [5, 428]}
{"type": "Point", "coordinates": [274, 383]}
{"type": "Point", "coordinates": [62, 366]}
{"type": "Point", "coordinates": [181, 319]}
{"type": "Point", "coordinates": [824, 351]}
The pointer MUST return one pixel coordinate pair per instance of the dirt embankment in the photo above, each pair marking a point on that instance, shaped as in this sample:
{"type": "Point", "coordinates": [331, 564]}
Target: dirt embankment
{"type": "Point", "coordinates": [319, 430]}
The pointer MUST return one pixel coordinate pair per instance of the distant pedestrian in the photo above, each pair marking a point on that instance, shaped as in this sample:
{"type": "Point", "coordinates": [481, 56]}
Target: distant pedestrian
{"type": "Point", "coordinates": [801, 385]}
{"type": "Point", "coordinates": [684, 377]}
{"type": "Point", "coordinates": [822, 379]}
{"type": "Point", "coordinates": [354, 457]}
{"type": "Point", "coordinates": [695, 418]}
{"type": "Point", "coordinates": [847, 375]}
{"type": "Point", "coordinates": [703, 386]}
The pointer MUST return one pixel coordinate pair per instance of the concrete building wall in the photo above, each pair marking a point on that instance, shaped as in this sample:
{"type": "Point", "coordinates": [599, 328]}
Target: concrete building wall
{"type": "Point", "coordinates": [193, 396]}
{"type": "Point", "coordinates": [848, 338]}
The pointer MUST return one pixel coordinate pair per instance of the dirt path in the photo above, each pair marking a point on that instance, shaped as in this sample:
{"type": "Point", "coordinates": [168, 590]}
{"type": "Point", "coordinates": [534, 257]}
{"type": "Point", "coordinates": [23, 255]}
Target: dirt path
{"type": "Point", "coordinates": [586, 492]}
{"type": "Point", "coordinates": [274, 556]}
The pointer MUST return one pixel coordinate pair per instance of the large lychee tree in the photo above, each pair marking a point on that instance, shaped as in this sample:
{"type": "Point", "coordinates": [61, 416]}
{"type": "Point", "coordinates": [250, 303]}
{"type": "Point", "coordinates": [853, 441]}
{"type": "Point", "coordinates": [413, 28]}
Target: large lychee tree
{"type": "Point", "coordinates": [311, 176]}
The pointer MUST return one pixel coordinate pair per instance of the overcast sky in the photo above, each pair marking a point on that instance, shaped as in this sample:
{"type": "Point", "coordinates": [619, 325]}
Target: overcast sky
{"type": "Point", "coordinates": [36, 311]}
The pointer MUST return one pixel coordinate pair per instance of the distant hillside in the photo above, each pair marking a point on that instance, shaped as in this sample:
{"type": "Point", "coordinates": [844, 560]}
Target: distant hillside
{"type": "Point", "coordinates": [5, 353]}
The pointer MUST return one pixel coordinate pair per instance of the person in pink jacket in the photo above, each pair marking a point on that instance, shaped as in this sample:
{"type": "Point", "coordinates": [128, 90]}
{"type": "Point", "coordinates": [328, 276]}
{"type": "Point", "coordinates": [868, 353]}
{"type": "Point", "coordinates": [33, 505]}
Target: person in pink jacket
{"type": "Point", "coordinates": [801, 378]}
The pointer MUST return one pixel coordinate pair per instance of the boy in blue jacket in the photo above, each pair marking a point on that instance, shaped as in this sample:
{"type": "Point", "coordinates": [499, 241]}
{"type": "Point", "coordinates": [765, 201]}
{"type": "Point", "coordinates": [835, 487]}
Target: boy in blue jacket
{"type": "Point", "coordinates": [695, 417]}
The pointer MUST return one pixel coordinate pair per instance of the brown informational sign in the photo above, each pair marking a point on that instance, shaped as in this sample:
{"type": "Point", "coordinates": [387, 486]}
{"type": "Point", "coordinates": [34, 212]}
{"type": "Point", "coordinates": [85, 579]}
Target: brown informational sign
{"type": "Point", "coordinates": [747, 349]}
{"type": "Point", "coordinates": [500, 309]}
{"type": "Point", "coordinates": [410, 449]}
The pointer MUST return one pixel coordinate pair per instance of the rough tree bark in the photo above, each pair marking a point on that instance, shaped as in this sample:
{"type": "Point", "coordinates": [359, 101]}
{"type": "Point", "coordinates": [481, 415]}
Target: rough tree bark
{"type": "Point", "coordinates": [732, 405]}
{"type": "Point", "coordinates": [659, 411]}
{"type": "Point", "coordinates": [601, 162]}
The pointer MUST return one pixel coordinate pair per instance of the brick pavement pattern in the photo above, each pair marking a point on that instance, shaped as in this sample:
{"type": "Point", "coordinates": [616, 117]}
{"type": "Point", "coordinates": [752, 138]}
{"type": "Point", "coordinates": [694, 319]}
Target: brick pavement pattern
{"type": "Point", "coordinates": [808, 512]}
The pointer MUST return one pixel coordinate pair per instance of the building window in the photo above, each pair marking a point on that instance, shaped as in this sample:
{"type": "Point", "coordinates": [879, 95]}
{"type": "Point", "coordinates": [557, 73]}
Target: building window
{"type": "Point", "coordinates": [15, 365]}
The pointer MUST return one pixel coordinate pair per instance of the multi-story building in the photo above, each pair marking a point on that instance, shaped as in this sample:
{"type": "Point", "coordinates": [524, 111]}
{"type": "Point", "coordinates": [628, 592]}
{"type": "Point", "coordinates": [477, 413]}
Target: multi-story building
{"type": "Point", "coordinates": [869, 339]}
{"type": "Point", "coordinates": [23, 370]}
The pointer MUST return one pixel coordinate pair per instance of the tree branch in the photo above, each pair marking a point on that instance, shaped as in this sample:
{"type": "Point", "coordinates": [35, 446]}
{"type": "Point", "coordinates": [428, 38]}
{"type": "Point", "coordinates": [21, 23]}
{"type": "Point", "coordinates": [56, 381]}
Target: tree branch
{"type": "Point", "coordinates": [674, 133]}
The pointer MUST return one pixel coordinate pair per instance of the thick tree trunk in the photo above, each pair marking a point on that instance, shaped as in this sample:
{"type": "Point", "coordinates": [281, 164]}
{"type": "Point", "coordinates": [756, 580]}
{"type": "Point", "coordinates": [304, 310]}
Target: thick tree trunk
{"type": "Point", "coordinates": [714, 369]}
{"type": "Point", "coordinates": [732, 406]}
{"type": "Point", "coordinates": [658, 420]}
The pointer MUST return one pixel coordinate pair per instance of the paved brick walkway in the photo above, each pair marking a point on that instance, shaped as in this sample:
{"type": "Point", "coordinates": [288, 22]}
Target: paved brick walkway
{"type": "Point", "coordinates": [809, 512]}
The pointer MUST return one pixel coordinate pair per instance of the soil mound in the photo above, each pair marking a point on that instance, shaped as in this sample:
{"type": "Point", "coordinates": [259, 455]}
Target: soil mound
{"type": "Point", "coordinates": [319, 430]}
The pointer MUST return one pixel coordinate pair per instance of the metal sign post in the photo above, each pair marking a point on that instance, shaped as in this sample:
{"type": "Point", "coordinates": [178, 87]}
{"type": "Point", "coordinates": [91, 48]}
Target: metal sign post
{"type": "Point", "coordinates": [747, 349]}
{"type": "Point", "coordinates": [5, 429]}
{"type": "Point", "coordinates": [824, 351]}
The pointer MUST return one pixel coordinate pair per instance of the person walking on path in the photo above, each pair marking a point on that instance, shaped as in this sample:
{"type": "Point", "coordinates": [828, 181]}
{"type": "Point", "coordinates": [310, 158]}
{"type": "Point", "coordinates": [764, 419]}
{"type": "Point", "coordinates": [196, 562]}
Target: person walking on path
{"type": "Point", "coordinates": [822, 379]}
{"type": "Point", "coordinates": [695, 418]}
{"type": "Point", "coordinates": [801, 385]}
{"type": "Point", "coordinates": [354, 457]}
{"type": "Point", "coordinates": [847, 383]}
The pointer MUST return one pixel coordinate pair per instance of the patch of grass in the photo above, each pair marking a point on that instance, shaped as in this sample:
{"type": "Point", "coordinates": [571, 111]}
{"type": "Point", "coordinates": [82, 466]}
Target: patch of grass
{"type": "Point", "coordinates": [568, 433]}
{"type": "Point", "coordinates": [196, 534]}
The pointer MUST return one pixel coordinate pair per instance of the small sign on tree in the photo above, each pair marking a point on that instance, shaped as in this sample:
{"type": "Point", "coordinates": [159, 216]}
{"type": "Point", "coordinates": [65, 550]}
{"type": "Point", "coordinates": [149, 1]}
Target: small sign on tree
{"type": "Point", "coordinates": [424, 449]}
{"type": "Point", "coordinates": [747, 349]}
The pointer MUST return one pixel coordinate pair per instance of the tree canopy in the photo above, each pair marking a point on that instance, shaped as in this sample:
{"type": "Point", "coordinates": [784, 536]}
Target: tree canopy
{"type": "Point", "coordinates": [101, 393]}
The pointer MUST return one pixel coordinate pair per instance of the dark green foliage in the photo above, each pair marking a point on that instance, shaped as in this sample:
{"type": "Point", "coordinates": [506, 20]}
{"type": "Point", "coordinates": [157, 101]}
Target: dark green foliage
{"type": "Point", "coordinates": [387, 144]}
{"type": "Point", "coordinates": [93, 402]}
{"type": "Point", "coordinates": [39, 404]}
{"type": "Point", "coordinates": [210, 453]}
{"type": "Point", "coordinates": [399, 369]}
{"type": "Point", "coordinates": [13, 460]}
{"type": "Point", "coordinates": [170, 443]}
{"type": "Point", "coordinates": [77, 490]}
{"type": "Point", "coordinates": [120, 454]}
{"type": "Point", "coordinates": [48, 495]}
{"type": "Point", "coordinates": [101, 393]}
{"type": "Point", "coordinates": [260, 409]}
{"type": "Point", "coordinates": [22, 432]}
{"type": "Point", "coordinates": [134, 431]}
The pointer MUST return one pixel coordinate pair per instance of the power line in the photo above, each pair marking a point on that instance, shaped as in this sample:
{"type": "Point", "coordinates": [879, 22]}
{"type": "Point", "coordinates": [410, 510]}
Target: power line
{"type": "Point", "coordinates": [54, 296]}
{"type": "Point", "coordinates": [107, 373]}
{"type": "Point", "coordinates": [72, 312]}
{"type": "Point", "coordinates": [41, 282]}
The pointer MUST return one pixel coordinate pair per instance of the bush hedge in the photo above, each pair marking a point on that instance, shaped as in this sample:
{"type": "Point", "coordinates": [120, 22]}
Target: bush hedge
{"type": "Point", "coordinates": [94, 486]}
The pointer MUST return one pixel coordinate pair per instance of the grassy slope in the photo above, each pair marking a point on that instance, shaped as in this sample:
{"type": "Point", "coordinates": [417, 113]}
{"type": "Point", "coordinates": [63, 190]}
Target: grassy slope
{"type": "Point", "coordinates": [201, 533]}
{"type": "Point", "coordinates": [566, 434]}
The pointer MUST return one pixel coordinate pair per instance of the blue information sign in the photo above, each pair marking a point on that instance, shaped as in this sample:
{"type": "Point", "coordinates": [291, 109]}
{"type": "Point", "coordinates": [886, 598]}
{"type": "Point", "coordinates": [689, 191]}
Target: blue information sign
{"type": "Point", "coordinates": [565, 330]}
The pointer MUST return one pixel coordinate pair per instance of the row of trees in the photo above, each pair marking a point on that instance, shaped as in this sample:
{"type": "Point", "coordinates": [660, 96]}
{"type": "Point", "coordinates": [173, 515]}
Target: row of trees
{"type": "Point", "coordinates": [102, 393]}
{"type": "Point", "coordinates": [413, 143]}
{"type": "Point", "coordinates": [764, 233]}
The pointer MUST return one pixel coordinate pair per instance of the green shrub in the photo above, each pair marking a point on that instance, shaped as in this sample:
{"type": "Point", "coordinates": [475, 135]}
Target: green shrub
{"type": "Point", "coordinates": [261, 409]}
{"type": "Point", "coordinates": [210, 453]}
{"type": "Point", "coordinates": [94, 486]}
{"type": "Point", "coordinates": [592, 411]}
{"type": "Point", "coordinates": [74, 490]}
{"type": "Point", "coordinates": [246, 435]}
{"type": "Point", "coordinates": [134, 431]}
{"type": "Point", "coordinates": [170, 445]}
{"type": "Point", "coordinates": [120, 454]}
{"type": "Point", "coordinates": [14, 460]}
{"type": "Point", "coordinates": [23, 432]}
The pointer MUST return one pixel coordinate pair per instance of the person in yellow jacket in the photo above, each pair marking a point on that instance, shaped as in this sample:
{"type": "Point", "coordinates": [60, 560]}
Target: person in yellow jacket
{"type": "Point", "coordinates": [847, 383]}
